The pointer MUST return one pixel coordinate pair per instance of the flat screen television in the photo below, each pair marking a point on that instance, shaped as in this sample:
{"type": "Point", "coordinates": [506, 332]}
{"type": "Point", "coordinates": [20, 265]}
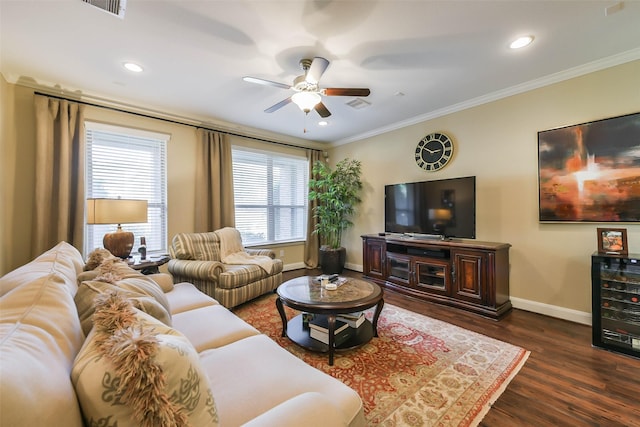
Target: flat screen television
{"type": "Point", "coordinates": [444, 207]}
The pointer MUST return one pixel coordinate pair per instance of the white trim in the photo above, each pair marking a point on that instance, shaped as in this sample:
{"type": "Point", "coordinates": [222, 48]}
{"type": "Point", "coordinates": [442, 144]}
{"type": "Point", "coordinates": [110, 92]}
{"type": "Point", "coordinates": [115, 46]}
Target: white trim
{"type": "Point", "coordinates": [571, 73]}
{"type": "Point", "coordinates": [353, 267]}
{"type": "Point", "coordinates": [552, 310]}
{"type": "Point", "coordinates": [294, 266]}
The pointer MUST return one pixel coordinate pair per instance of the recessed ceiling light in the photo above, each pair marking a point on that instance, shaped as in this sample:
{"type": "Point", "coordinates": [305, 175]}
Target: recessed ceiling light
{"type": "Point", "coordinates": [521, 42]}
{"type": "Point", "coordinates": [323, 123]}
{"type": "Point", "coordinates": [132, 67]}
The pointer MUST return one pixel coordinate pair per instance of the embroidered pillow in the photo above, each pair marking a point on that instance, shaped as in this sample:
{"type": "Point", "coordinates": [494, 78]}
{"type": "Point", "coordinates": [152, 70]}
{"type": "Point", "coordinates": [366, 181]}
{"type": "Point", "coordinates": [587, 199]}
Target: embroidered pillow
{"type": "Point", "coordinates": [135, 371]}
{"type": "Point", "coordinates": [142, 297]}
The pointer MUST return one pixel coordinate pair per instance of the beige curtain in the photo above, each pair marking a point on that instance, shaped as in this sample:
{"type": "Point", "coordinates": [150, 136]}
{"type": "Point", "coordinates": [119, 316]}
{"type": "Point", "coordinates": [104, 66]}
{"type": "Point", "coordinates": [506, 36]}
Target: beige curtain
{"type": "Point", "coordinates": [312, 243]}
{"type": "Point", "coordinates": [60, 163]}
{"type": "Point", "coordinates": [214, 182]}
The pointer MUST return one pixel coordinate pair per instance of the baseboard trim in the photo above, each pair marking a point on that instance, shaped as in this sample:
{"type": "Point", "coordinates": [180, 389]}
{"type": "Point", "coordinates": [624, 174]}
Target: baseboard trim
{"type": "Point", "coordinates": [353, 267]}
{"type": "Point", "coordinates": [294, 266]}
{"type": "Point", "coordinates": [571, 315]}
{"type": "Point", "coordinates": [552, 310]}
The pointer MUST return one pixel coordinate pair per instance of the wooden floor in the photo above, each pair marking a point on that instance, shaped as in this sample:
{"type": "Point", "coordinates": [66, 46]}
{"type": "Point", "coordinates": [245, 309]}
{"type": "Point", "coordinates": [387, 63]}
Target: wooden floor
{"type": "Point", "coordinates": [565, 381]}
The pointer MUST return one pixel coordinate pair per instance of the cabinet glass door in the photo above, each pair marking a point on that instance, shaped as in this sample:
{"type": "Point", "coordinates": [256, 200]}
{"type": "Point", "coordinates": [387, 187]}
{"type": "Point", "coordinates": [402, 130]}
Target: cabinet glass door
{"type": "Point", "coordinates": [433, 276]}
{"type": "Point", "coordinates": [618, 297]}
{"type": "Point", "coordinates": [398, 268]}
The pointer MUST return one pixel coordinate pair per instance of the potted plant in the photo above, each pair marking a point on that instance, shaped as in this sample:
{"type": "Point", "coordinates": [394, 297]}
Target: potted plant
{"type": "Point", "coordinates": [337, 193]}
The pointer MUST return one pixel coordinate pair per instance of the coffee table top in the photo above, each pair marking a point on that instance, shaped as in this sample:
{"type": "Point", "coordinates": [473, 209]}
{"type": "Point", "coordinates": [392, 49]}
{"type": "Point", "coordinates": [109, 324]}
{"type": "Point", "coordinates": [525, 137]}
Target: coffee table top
{"type": "Point", "coordinates": [303, 293]}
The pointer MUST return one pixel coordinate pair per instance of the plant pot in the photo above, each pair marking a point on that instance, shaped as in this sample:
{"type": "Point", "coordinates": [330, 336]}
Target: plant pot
{"type": "Point", "coordinates": [332, 260]}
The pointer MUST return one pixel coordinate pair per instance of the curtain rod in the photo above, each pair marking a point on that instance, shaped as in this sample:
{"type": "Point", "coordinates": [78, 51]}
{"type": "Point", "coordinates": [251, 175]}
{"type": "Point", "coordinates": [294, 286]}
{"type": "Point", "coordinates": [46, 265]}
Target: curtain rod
{"type": "Point", "coordinates": [177, 122]}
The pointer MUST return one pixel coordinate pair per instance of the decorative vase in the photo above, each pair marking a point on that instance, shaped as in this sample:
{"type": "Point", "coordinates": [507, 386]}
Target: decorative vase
{"type": "Point", "coordinates": [332, 260]}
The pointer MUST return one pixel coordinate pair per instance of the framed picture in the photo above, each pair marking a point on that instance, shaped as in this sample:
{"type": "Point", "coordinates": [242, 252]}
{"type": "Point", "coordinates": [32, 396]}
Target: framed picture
{"type": "Point", "coordinates": [612, 241]}
{"type": "Point", "coordinates": [590, 172]}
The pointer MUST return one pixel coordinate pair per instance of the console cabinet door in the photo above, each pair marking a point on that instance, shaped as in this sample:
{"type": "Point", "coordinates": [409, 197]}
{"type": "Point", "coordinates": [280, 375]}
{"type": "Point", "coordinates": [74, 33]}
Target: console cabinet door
{"type": "Point", "coordinates": [374, 258]}
{"type": "Point", "coordinates": [399, 269]}
{"type": "Point", "coordinates": [469, 276]}
{"type": "Point", "coordinates": [432, 276]}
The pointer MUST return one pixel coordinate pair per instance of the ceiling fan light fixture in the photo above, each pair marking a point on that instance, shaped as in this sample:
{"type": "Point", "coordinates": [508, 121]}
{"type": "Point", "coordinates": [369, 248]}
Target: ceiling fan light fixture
{"type": "Point", "coordinates": [306, 100]}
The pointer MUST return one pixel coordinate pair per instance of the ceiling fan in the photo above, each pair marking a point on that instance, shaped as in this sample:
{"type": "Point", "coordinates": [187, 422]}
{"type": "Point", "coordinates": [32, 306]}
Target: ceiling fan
{"type": "Point", "coordinates": [308, 92]}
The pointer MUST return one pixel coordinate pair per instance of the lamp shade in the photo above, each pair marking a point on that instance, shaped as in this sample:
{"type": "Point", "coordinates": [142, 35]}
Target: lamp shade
{"type": "Point", "coordinates": [116, 211]}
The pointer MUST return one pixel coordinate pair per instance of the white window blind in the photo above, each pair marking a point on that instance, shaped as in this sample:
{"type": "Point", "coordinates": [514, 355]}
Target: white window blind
{"type": "Point", "coordinates": [270, 191]}
{"type": "Point", "coordinates": [128, 164]}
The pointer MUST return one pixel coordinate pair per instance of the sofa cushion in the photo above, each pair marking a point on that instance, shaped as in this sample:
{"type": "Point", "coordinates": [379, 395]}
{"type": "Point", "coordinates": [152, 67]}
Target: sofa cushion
{"type": "Point", "coordinates": [164, 280]}
{"type": "Point", "coordinates": [135, 371]}
{"type": "Point", "coordinates": [211, 327]}
{"type": "Point", "coordinates": [310, 409]}
{"type": "Point", "coordinates": [63, 259]}
{"type": "Point", "coordinates": [143, 295]}
{"type": "Point", "coordinates": [40, 336]}
{"type": "Point", "coordinates": [235, 276]}
{"type": "Point", "coordinates": [196, 246]}
{"type": "Point", "coordinates": [185, 296]}
{"type": "Point", "coordinates": [275, 375]}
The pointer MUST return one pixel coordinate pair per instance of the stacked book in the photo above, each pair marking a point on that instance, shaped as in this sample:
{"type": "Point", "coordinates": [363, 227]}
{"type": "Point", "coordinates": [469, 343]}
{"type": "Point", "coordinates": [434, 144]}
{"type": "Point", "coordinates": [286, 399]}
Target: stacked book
{"type": "Point", "coordinates": [354, 320]}
{"type": "Point", "coordinates": [319, 330]}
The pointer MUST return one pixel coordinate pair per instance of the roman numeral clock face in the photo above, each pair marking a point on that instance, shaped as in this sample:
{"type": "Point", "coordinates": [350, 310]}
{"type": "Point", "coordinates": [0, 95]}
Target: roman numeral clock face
{"type": "Point", "coordinates": [434, 151]}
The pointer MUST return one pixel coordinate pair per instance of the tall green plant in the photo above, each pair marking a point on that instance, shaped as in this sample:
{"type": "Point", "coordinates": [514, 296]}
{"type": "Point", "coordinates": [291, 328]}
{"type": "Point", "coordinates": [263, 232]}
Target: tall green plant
{"type": "Point", "coordinates": [337, 193]}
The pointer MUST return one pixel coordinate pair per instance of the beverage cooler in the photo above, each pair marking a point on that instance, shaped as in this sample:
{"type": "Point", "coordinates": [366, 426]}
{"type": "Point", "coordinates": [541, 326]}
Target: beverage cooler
{"type": "Point", "coordinates": [616, 302]}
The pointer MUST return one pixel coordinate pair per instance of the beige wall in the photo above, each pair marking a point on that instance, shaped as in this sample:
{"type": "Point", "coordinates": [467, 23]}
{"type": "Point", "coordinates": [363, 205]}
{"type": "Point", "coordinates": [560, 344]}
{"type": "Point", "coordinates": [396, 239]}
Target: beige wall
{"type": "Point", "coordinates": [497, 142]}
{"type": "Point", "coordinates": [18, 162]}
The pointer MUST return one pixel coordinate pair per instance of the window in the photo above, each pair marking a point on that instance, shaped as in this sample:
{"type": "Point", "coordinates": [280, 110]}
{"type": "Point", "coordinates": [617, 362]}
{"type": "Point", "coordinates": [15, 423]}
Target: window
{"type": "Point", "coordinates": [128, 164]}
{"type": "Point", "coordinates": [270, 191]}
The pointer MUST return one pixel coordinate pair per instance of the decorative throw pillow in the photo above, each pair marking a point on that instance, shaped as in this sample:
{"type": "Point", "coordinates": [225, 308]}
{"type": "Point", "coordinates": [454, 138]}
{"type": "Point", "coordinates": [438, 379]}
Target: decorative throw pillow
{"type": "Point", "coordinates": [141, 289]}
{"type": "Point", "coordinates": [136, 371]}
{"type": "Point", "coordinates": [140, 293]}
{"type": "Point", "coordinates": [96, 257]}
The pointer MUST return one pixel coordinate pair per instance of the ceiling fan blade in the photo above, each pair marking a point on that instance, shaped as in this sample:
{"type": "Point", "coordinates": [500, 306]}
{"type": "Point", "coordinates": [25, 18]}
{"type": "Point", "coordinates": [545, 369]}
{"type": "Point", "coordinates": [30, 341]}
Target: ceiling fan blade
{"type": "Point", "coordinates": [335, 91]}
{"type": "Point", "coordinates": [316, 70]}
{"type": "Point", "coordinates": [265, 82]}
{"type": "Point", "coordinates": [278, 106]}
{"type": "Point", "coordinates": [322, 110]}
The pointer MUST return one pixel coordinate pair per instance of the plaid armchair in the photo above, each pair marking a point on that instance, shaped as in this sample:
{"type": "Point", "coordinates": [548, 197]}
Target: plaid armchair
{"type": "Point", "coordinates": [196, 259]}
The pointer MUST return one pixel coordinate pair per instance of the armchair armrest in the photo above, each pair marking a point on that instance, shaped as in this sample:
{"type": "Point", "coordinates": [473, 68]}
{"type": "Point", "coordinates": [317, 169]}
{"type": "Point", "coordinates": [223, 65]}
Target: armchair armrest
{"type": "Point", "coordinates": [266, 252]}
{"type": "Point", "coordinates": [199, 270]}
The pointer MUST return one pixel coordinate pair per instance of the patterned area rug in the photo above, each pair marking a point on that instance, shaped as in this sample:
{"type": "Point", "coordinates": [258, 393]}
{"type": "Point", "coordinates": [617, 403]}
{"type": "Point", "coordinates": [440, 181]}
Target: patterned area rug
{"type": "Point", "coordinates": [418, 372]}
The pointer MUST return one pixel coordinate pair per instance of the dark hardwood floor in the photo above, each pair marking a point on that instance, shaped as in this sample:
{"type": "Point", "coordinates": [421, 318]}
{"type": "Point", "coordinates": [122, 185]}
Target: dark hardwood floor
{"type": "Point", "coordinates": [565, 381]}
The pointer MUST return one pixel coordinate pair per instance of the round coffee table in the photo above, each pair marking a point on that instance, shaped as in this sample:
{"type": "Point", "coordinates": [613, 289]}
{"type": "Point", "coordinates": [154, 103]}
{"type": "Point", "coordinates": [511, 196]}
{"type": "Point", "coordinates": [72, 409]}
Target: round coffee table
{"type": "Point", "coordinates": [307, 295]}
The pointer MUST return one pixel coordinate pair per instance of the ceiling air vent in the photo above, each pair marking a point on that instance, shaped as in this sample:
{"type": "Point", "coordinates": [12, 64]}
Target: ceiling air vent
{"type": "Point", "coordinates": [358, 103]}
{"type": "Point", "coordinates": [114, 7]}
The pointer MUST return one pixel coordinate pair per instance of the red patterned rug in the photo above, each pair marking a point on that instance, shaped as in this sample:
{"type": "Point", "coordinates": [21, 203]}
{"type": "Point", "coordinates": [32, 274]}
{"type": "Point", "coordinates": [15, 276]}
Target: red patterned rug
{"type": "Point", "coordinates": [418, 372]}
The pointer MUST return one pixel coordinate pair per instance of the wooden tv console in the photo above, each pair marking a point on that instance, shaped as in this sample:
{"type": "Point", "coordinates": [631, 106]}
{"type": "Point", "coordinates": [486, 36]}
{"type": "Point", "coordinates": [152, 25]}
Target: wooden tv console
{"type": "Point", "coordinates": [462, 273]}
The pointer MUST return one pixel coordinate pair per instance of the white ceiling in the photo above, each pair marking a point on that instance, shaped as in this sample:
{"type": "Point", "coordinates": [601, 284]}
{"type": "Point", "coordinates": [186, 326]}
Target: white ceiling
{"type": "Point", "coordinates": [441, 55]}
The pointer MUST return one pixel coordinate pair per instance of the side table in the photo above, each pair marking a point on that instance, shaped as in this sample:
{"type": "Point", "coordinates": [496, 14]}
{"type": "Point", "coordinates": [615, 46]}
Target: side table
{"type": "Point", "coordinates": [150, 265]}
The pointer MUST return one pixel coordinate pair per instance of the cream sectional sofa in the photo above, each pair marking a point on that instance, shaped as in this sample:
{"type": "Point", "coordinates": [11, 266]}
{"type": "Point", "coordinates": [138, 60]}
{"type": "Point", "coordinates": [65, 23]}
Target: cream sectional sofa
{"type": "Point", "coordinates": [51, 375]}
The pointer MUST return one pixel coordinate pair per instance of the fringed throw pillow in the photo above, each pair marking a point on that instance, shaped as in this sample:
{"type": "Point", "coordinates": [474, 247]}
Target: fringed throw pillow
{"type": "Point", "coordinates": [135, 371]}
{"type": "Point", "coordinates": [114, 274]}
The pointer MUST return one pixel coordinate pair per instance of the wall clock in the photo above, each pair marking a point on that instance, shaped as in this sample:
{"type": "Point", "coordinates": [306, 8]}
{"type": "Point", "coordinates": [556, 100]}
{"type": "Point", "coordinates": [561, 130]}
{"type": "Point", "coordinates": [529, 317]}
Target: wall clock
{"type": "Point", "coordinates": [434, 151]}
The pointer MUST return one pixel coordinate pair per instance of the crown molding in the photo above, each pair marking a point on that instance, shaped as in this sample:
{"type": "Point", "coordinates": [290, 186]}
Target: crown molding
{"type": "Point", "coordinates": [601, 64]}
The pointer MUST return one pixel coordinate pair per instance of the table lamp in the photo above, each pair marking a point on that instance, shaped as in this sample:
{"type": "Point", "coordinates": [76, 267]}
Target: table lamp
{"type": "Point", "coordinates": [117, 211]}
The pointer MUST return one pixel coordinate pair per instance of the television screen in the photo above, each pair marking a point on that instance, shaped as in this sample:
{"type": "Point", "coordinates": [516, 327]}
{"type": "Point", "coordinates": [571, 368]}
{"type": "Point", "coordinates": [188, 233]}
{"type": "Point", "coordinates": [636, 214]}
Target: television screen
{"type": "Point", "coordinates": [445, 207]}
